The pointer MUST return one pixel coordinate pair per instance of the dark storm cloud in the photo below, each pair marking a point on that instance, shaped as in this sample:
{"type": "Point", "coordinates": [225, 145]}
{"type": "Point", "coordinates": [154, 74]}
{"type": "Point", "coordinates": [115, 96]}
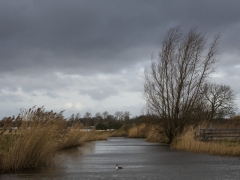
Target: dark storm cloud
{"type": "Point", "coordinates": [52, 51]}
{"type": "Point", "coordinates": [79, 36]}
{"type": "Point", "coordinates": [32, 82]}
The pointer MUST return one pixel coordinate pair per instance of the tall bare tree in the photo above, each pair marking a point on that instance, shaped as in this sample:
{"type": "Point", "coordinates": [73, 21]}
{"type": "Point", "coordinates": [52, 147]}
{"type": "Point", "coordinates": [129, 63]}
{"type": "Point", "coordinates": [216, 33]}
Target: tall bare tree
{"type": "Point", "coordinates": [219, 101]}
{"type": "Point", "coordinates": [118, 115]}
{"type": "Point", "coordinates": [173, 86]}
{"type": "Point", "coordinates": [87, 118]}
{"type": "Point", "coordinates": [126, 115]}
{"type": "Point", "coordinates": [105, 115]}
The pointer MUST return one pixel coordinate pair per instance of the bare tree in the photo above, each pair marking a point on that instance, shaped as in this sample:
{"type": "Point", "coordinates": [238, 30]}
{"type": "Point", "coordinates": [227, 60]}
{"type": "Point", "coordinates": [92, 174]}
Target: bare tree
{"type": "Point", "coordinates": [173, 86]}
{"type": "Point", "coordinates": [77, 117]}
{"type": "Point", "coordinates": [118, 115]}
{"type": "Point", "coordinates": [105, 114]}
{"type": "Point", "coordinates": [88, 115]}
{"type": "Point", "coordinates": [127, 115]}
{"type": "Point", "coordinates": [98, 116]}
{"type": "Point", "coordinates": [219, 101]}
{"type": "Point", "coordinates": [87, 118]}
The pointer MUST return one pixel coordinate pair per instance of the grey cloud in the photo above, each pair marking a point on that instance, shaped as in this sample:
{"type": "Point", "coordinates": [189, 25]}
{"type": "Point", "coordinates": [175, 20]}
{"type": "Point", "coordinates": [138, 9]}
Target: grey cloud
{"type": "Point", "coordinates": [39, 39]}
{"type": "Point", "coordinates": [99, 94]}
{"type": "Point", "coordinates": [32, 81]}
{"type": "Point", "coordinates": [81, 35]}
{"type": "Point", "coordinates": [51, 94]}
{"type": "Point", "coordinates": [11, 98]}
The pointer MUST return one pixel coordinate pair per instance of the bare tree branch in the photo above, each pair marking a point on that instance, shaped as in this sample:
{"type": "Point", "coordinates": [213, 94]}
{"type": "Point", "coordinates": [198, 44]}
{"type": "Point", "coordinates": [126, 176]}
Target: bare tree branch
{"type": "Point", "coordinates": [173, 86]}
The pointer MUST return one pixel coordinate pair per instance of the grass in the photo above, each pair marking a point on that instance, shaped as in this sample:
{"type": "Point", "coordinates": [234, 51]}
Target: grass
{"type": "Point", "coordinates": [187, 142]}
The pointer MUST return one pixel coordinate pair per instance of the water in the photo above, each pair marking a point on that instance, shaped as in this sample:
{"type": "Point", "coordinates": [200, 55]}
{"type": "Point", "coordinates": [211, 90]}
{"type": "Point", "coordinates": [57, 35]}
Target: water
{"type": "Point", "coordinates": [140, 160]}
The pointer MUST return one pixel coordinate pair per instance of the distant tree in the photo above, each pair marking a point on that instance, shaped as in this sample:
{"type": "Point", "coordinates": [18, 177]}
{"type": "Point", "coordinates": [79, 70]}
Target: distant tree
{"type": "Point", "coordinates": [88, 115]}
{"type": "Point", "coordinates": [115, 125]}
{"type": "Point", "coordinates": [98, 115]}
{"type": "Point", "coordinates": [118, 115]}
{"type": "Point", "coordinates": [87, 118]}
{"type": "Point", "coordinates": [127, 115]}
{"type": "Point", "coordinates": [101, 126]}
{"type": "Point", "coordinates": [77, 117]}
{"type": "Point", "coordinates": [105, 114]}
{"type": "Point", "coordinates": [219, 101]}
{"type": "Point", "coordinates": [173, 86]}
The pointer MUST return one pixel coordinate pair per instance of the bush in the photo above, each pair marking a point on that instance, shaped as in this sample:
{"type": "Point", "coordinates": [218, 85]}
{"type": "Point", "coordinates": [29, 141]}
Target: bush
{"type": "Point", "coordinates": [101, 126]}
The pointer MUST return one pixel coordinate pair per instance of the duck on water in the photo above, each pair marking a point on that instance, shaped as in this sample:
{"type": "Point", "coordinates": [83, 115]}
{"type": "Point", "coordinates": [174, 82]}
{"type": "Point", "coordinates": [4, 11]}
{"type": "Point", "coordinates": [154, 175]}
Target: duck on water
{"type": "Point", "coordinates": [118, 167]}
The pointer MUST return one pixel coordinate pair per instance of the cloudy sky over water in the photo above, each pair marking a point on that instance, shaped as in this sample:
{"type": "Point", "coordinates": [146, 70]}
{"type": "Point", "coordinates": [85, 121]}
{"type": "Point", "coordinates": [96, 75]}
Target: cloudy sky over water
{"type": "Point", "coordinates": [90, 55]}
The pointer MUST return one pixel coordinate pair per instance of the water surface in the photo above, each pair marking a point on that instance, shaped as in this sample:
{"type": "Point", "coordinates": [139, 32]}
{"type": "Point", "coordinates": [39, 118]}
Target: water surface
{"type": "Point", "coordinates": [139, 159]}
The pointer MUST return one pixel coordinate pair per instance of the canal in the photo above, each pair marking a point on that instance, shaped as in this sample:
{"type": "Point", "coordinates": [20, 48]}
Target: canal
{"type": "Point", "coordinates": [139, 159]}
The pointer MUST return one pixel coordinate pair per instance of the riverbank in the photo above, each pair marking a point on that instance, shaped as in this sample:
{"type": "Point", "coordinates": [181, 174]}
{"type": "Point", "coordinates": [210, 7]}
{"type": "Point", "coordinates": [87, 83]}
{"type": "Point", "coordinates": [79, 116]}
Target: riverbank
{"type": "Point", "coordinates": [38, 135]}
{"type": "Point", "coordinates": [41, 134]}
{"type": "Point", "coordinates": [37, 148]}
{"type": "Point", "coordinates": [139, 159]}
{"type": "Point", "coordinates": [187, 142]}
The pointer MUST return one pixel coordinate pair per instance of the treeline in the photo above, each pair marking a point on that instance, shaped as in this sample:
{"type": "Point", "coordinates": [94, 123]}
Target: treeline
{"type": "Point", "coordinates": [104, 120]}
{"type": "Point", "coordinates": [101, 121]}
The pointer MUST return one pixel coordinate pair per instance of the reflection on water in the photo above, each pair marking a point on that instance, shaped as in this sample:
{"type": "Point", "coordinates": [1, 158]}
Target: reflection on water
{"type": "Point", "coordinates": [139, 159]}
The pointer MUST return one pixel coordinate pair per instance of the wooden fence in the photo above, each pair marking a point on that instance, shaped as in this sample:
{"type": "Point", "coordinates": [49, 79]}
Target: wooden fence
{"type": "Point", "coordinates": [219, 133]}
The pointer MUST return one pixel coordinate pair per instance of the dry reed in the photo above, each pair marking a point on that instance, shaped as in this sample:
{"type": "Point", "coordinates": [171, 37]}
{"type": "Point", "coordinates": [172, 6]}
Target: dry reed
{"type": "Point", "coordinates": [187, 142]}
{"type": "Point", "coordinates": [39, 135]}
{"type": "Point", "coordinates": [35, 142]}
{"type": "Point", "coordinates": [138, 131]}
{"type": "Point", "coordinates": [156, 134]}
{"type": "Point", "coordinates": [95, 136]}
{"type": "Point", "coordinates": [153, 133]}
{"type": "Point", "coordinates": [119, 133]}
{"type": "Point", "coordinates": [71, 139]}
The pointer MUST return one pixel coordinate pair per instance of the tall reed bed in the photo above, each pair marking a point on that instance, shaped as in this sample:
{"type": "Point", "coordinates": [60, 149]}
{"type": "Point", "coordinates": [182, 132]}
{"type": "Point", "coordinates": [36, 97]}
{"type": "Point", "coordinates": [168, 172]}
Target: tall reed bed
{"type": "Point", "coordinates": [76, 137]}
{"type": "Point", "coordinates": [187, 142]}
{"type": "Point", "coordinates": [36, 137]}
{"type": "Point", "coordinates": [34, 143]}
{"type": "Point", "coordinates": [156, 134]}
{"type": "Point", "coordinates": [138, 131]}
{"type": "Point", "coordinates": [152, 132]}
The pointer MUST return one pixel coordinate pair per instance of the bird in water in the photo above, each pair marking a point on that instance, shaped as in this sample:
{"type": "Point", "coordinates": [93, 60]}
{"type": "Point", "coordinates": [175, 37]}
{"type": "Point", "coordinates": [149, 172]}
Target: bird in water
{"type": "Point", "coordinates": [118, 167]}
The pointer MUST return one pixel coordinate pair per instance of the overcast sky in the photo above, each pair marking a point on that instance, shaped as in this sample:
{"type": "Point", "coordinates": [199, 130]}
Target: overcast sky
{"type": "Point", "coordinates": [90, 55]}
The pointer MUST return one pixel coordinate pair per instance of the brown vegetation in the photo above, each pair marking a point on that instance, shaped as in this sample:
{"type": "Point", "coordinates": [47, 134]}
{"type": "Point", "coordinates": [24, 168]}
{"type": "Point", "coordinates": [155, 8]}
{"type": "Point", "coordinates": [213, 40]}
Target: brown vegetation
{"type": "Point", "coordinates": [38, 136]}
{"type": "Point", "coordinates": [223, 147]}
{"type": "Point", "coordinates": [119, 133]}
{"type": "Point", "coordinates": [138, 131]}
{"type": "Point", "coordinates": [152, 132]}
{"type": "Point", "coordinates": [34, 143]}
